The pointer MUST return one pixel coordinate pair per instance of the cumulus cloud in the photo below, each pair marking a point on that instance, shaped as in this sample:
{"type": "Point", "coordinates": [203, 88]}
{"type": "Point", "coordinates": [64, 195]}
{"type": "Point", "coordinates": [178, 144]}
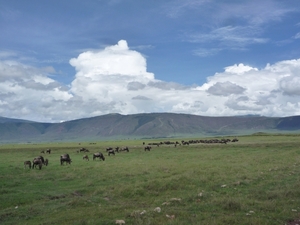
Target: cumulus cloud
{"type": "Point", "coordinates": [115, 80]}
{"type": "Point", "coordinates": [26, 92]}
{"type": "Point", "coordinates": [106, 73]}
{"type": "Point", "coordinates": [290, 85]}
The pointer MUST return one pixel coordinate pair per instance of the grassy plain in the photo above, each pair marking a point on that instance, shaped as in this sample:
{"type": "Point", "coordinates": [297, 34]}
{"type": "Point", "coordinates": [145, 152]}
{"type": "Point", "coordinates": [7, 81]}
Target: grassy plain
{"type": "Point", "coordinates": [253, 181]}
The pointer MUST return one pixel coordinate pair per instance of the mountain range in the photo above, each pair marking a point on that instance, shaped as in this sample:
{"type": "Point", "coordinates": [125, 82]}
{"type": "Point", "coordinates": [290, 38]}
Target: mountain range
{"type": "Point", "coordinates": [142, 126]}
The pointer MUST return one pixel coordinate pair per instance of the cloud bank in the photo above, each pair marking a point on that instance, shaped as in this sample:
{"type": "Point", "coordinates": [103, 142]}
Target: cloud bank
{"type": "Point", "coordinates": [115, 80]}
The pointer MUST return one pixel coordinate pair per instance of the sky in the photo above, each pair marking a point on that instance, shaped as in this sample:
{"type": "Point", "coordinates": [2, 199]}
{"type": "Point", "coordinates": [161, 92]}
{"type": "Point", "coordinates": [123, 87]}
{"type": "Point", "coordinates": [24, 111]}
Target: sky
{"type": "Point", "coordinates": [62, 60]}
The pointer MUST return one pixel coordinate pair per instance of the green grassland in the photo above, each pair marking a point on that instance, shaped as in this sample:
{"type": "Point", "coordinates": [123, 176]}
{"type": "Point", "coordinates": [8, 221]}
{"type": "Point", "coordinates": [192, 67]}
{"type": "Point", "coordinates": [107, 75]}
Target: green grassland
{"type": "Point", "coordinates": [253, 181]}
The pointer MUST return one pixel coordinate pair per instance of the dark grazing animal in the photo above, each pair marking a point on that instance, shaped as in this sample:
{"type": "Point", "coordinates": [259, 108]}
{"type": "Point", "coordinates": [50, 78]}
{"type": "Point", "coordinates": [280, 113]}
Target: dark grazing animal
{"type": "Point", "coordinates": [40, 158]}
{"type": "Point", "coordinates": [111, 152]}
{"type": "Point", "coordinates": [98, 155]}
{"type": "Point", "coordinates": [147, 148]}
{"type": "Point", "coordinates": [83, 150]}
{"type": "Point", "coordinates": [48, 151]}
{"type": "Point", "coordinates": [86, 157]}
{"type": "Point", "coordinates": [27, 163]}
{"type": "Point", "coordinates": [125, 149]}
{"type": "Point", "coordinates": [65, 158]}
{"type": "Point", "coordinates": [109, 148]}
{"type": "Point", "coordinates": [37, 162]}
{"type": "Point", "coordinates": [46, 162]}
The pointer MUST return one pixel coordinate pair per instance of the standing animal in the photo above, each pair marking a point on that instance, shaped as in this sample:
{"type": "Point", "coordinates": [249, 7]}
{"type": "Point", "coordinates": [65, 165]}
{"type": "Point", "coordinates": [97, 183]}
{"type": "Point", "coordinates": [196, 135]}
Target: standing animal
{"type": "Point", "coordinates": [46, 162]}
{"type": "Point", "coordinates": [234, 140]}
{"type": "Point", "coordinates": [83, 150]}
{"type": "Point", "coordinates": [40, 158]}
{"type": "Point", "coordinates": [98, 155]}
{"type": "Point", "coordinates": [27, 163]}
{"type": "Point", "coordinates": [109, 148]}
{"type": "Point", "coordinates": [125, 149]}
{"type": "Point", "coordinates": [37, 162]}
{"type": "Point", "coordinates": [65, 158]}
{"type": "Point", "coordinates": [111, 152]}
{"type": "Point", "coordinates": [86, 157]}
{"type": "Point", "coordinates": [48, 151]}
{"type": "Point", "coordinates": [43, 152]}
{"type": "Point", "coordinates": [147, 148]}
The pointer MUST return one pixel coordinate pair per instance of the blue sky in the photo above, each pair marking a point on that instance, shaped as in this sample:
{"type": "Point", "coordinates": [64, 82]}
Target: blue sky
{"type": "Point", "coordinates": [62, 60]}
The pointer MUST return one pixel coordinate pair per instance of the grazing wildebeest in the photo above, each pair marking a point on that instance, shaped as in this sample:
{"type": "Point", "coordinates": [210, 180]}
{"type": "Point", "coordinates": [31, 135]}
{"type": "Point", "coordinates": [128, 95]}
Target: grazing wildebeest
{"type": "Point", "coordinates": [147, 148]}
{"type": "Point", "coordinates": [65, 158]}
{"type": "Point", "coordinates": [125, 149]}
{"type": "Point", "coordinates": [98, 155]}
{"type": "Point", "coordinates": [234, 140]}
{"type": "Point", "coordinates": [109, 148]}
{"type": "Point", "coordinates": [46, 162]}
{"type": "Point", "coordinates": [83, 150]}
{"type": "Point", "coordinates": [86, 157]}
{"type": "Point", "coordinates": [111, 152]}
{"type": "Point", "coordinates": [27, 163]}
{"type": "Point", "coordinates": [48, 150]}
{"type": "Point", "coordinates": [37, 162]}
{"type": "Point", "coordinates": [185, 143]}
{"type": "Point", "coordinates": [40, 158]}
{"type": "Point", "coordinates": [43, 151]}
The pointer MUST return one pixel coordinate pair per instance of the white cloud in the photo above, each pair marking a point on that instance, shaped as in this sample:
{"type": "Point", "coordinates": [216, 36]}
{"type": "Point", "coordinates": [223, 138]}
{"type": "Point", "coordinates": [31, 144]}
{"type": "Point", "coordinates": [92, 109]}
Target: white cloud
{"type": "Point", "coordinates": [113, 60]}
{"type": "Point", "coordinates": [115, 79]}
{"type": "Point", "coordinates": [107, 75]}
{"type": "Point", "coordinates": [239, 69]}
{"type": "Point", "coordinates": [26, 90]}
{"type": "Point", "coordinates": [291, 85]}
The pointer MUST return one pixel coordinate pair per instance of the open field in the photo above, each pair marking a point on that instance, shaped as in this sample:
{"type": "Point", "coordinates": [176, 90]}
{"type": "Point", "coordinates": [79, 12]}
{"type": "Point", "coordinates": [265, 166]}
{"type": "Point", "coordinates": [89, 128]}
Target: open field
{"type": "Point", "coordinates": [253, 181]}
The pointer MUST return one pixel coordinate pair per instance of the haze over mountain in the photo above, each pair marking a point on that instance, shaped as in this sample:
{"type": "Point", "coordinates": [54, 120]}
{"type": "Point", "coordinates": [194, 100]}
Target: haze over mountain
{"type": "Point", "coordinates": [142, 126]}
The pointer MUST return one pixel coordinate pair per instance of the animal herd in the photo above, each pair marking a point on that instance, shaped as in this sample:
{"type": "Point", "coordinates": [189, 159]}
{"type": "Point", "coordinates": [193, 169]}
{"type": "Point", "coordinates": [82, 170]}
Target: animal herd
{"type": "Point", "coordinates": [183, 142]}
{"type": "Point", "coordinates": [39, 161]}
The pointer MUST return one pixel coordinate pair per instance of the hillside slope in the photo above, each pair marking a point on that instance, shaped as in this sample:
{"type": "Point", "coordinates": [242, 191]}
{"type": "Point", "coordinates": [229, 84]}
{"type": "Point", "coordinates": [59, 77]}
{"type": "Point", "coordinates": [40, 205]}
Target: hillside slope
{"type": "Point", "coordinates": [148, 125]}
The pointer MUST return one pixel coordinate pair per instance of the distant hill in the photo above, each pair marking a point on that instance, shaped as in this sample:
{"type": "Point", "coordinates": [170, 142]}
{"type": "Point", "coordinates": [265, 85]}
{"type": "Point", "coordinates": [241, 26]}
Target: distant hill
{"type": "Point", "coordinates": [141, 126]}
{"type": "Point", "coordinates": [9, 120]}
